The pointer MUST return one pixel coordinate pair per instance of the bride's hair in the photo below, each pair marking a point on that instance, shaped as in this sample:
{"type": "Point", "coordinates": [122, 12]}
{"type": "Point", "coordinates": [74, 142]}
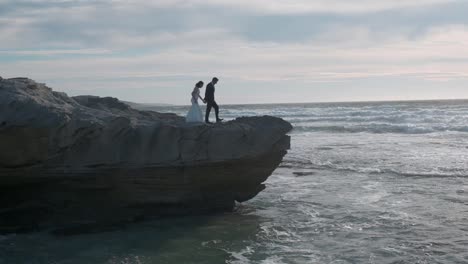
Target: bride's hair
{"type": "Point", "coordinates": [199, 84]}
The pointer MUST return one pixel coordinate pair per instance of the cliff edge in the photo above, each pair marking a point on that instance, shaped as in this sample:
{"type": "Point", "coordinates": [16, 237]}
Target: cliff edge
{"type": "Point", "coordinates": [90, 159]}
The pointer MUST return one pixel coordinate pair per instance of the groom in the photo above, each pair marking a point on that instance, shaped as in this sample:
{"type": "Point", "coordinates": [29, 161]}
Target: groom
{"type": "Point", "coordinates": [210, 101]}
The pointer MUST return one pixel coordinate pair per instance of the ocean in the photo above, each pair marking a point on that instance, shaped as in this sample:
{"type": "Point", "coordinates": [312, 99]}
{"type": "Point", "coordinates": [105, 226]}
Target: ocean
{"type": "Point", "coordinates": [373, 182]}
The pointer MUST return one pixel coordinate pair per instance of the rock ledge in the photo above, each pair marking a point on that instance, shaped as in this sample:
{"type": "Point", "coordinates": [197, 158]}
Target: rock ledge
{"type": "Point", "coordinates": [88, 159]}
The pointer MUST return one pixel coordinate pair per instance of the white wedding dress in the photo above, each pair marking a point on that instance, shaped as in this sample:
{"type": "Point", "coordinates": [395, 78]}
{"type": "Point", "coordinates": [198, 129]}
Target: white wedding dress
{"type": "Point", "coordinates": [195, 114]}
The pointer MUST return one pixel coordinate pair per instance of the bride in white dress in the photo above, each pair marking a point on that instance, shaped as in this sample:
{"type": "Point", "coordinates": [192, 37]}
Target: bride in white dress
{"type": "Point", "coordinates": [195, 114]}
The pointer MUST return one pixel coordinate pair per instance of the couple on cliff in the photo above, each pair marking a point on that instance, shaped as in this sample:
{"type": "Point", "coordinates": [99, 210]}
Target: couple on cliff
{"type": "Point", "coordinates": [195, 113]}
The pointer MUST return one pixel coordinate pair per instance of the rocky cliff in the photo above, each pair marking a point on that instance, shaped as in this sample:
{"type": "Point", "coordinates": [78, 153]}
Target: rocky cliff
{"type": "Point", "coordinates": [86, 159]}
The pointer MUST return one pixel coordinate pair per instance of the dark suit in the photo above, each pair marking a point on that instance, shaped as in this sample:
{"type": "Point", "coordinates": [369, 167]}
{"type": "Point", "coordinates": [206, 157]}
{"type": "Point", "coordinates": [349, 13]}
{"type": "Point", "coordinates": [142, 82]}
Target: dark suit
{"type": "Point", "coordinates": [210, 102]}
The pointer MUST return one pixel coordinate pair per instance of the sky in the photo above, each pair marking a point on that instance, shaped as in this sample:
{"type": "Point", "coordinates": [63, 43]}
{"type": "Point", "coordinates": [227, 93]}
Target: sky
{"type": "Point", "coordinates": [263, 51]}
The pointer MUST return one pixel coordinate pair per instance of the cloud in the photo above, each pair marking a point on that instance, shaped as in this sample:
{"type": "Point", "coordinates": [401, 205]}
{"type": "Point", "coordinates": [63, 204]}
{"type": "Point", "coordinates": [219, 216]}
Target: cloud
{"type": "Point", "coordinates": [318, 6]}
{"type": "Point", "coordinates": [286, 7]}
{"type": "Point", "coordinates": [119, 24]}
{"type": "Point", "coordinates": [117, 44]}
{"type": "Point", "coordinates": [439, 53]}
{"type": "Point", "coordinates": [57, 52]}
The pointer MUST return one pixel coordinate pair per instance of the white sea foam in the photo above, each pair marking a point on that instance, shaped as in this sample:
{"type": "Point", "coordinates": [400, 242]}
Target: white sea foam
{"type": "Point", "coordinates": [241, 257]}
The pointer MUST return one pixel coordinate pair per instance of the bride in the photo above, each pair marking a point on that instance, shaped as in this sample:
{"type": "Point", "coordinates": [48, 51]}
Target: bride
{"type": "Point", "coordinates": [195, 113]}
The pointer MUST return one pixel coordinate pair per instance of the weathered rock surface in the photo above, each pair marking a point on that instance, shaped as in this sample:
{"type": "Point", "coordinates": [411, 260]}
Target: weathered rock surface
{"type": "Point", "coordinates": [74, 160]}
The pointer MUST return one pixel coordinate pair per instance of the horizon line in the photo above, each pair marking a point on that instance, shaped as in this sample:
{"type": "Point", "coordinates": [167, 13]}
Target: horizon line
{"type": "Point", "coordinates": [323, 102]}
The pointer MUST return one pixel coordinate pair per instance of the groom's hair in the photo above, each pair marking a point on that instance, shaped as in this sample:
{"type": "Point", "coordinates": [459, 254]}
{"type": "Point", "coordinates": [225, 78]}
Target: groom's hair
{"type": "Point", "coordinates": [215, 79]}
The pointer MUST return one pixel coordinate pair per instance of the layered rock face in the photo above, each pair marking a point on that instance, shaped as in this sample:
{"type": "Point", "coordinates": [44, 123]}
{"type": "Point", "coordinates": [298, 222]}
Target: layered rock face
{"type": "Point", "coordinates": [71, 160]}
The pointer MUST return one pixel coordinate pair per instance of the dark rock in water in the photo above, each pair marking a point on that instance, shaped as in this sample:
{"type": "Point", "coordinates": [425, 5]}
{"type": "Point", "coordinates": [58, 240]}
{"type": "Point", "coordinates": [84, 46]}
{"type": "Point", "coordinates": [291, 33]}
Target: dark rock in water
{"type": "Point", "coordinates": [83, 162]}
{"type": "Point", "coordinates": [303, 173]}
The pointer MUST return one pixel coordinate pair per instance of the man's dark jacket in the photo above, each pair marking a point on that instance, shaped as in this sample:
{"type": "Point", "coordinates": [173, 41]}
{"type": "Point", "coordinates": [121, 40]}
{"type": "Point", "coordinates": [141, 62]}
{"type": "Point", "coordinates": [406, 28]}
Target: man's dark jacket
{"type": "Point", "coordinates": [209, 93]}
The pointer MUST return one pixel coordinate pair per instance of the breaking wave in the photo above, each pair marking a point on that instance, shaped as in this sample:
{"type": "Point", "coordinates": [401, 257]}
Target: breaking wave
{"type": "Point", "coordinates": [380, 128]}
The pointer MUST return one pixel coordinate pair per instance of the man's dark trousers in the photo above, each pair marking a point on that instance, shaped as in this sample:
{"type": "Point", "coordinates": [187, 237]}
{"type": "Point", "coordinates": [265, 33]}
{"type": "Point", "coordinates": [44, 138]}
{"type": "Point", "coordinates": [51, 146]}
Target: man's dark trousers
{"type": "Point", "coordinates": [211, 104]}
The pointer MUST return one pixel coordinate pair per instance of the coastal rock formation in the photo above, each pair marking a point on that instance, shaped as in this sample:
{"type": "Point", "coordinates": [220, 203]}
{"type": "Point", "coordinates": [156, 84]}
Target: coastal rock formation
{"type": "Point", "coordinates": [74, 160]}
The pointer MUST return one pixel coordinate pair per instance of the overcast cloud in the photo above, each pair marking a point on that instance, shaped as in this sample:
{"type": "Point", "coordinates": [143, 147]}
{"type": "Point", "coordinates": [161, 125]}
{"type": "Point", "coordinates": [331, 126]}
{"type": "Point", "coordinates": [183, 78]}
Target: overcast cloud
{"type": "Point", "coordinates": [262, 50]}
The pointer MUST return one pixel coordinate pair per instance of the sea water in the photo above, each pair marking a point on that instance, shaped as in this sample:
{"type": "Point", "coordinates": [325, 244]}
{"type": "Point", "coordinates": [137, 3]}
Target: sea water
{"type": "Point", "coordinates": [383, 182]}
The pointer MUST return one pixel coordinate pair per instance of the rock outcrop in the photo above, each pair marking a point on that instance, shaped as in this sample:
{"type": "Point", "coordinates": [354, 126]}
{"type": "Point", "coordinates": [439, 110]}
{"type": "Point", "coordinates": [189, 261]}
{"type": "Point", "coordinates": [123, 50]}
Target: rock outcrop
{"type": "Point", "coordinates": [74, 160]}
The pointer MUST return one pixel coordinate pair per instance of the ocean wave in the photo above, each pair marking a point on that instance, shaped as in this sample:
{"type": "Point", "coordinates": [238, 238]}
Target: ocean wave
{"type": "Point", "coordinates": [433, 174]}
{"type": "Point", "coordinates": [240, 257]}
{"type": "Point", "coordinates": [328, 165]}
{"type": "Point", "coordinates": [393, 119]}
{"type": "Point", "coordinates": [380, 129]}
